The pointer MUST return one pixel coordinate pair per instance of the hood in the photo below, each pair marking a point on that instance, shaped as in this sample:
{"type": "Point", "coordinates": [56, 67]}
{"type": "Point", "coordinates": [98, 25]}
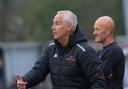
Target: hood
{"type": "Point", "coordinates": [77, 37]}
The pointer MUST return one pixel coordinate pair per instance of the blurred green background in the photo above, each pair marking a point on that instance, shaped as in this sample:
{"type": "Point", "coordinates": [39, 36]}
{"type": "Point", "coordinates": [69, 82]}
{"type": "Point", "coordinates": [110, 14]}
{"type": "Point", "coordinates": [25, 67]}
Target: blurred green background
{"type": "Point", "coordinates": [31, 20]}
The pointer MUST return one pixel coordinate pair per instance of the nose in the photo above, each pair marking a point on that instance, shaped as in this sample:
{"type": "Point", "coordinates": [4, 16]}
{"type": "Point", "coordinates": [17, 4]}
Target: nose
{"type": "Point", "coordinates": [94, 32]}
{"type": "Point", "coordinates": [53, 27]}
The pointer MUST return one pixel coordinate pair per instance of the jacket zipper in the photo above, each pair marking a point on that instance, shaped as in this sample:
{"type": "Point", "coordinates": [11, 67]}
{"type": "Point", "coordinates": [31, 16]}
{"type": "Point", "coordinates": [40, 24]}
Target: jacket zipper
{"type": "Point", "coordinates": [60, 68]}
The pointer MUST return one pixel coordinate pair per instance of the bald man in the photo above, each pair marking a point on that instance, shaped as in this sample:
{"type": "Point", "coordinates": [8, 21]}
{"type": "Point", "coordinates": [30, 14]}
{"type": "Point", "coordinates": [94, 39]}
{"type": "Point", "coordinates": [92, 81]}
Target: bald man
{"type": "Point", "coordinates": [111, 56]}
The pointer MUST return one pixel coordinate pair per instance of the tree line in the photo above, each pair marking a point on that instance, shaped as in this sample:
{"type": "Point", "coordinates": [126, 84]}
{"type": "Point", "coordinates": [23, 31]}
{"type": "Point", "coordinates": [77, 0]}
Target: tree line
{"type": "Point", "coordinates": [31, 20]}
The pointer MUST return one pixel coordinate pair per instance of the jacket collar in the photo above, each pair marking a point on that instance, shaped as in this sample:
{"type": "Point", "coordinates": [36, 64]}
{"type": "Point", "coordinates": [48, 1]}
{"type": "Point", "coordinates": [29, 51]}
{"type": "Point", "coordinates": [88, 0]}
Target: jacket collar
{"type": "Point", "coordinates": [77, 37]}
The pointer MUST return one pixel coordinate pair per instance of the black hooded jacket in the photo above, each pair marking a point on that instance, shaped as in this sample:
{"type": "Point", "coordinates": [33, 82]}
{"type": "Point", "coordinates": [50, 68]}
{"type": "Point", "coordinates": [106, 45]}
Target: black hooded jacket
{"type": "Point", "coordinates": [72, 67]}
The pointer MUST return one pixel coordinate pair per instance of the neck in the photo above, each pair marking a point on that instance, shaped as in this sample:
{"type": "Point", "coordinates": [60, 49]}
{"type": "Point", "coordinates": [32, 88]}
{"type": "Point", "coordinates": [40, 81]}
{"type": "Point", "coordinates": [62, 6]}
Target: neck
{"type": "Point", "coordinates": [64, 41]}
{"type": "Point", "coordinates": [107, 42]}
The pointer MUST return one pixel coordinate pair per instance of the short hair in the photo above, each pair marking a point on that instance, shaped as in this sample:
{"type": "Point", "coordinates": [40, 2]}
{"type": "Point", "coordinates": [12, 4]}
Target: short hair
{"type": "Point", "coordinates": [70, 17]}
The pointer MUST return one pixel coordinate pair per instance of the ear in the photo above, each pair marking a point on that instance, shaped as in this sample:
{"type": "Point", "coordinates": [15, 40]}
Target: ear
{"type": "Point", "coordinates": [108, 31]}
{"type": "Point", "coordinates": [69, 27]}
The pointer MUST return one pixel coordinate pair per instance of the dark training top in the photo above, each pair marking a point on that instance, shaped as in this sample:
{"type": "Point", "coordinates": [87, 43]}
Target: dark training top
{"type": "Point", "coordinates": [112, 59]}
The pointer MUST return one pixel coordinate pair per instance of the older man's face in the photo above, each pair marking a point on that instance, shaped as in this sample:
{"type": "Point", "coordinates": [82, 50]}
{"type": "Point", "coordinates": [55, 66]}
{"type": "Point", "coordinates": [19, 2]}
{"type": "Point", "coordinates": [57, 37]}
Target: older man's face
{"type": "Point", "coordinates": [60, 27]}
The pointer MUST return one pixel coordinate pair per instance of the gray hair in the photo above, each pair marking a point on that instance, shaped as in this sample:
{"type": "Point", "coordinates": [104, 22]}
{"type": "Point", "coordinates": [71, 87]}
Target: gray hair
{"type": "Point", "coordinates": [70, 17]}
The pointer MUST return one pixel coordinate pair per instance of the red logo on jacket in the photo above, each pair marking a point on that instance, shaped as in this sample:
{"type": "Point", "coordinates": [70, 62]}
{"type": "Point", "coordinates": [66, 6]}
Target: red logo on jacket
{"type": "Point", "coordinates": [71, 58]}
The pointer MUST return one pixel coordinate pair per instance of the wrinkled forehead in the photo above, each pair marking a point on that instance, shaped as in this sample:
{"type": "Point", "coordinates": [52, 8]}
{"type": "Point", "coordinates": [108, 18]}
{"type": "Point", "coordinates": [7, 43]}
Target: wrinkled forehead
{"type": "Point", "coordinates": [99, 23]}
{"type": "Point", "coordinates": [58, 17]}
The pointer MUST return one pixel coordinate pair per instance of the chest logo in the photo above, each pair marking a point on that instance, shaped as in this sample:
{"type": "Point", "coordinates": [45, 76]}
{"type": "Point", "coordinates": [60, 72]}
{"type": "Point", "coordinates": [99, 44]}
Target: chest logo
{"type": "Point", "coordinates": [71, 58]}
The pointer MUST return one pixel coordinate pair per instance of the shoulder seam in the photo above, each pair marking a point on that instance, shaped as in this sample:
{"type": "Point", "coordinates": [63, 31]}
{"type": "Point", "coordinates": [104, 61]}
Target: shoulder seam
{"type": "Point", "coordinates": [81, 47]}
{"type": "Point", "coordinates": [51, 44]}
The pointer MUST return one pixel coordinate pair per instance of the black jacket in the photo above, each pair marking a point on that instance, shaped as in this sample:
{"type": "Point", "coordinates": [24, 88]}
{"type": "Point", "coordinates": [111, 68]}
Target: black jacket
{"type": "Point", "coordinates": [72, 67]}
{"type": "Point", "coordinates": [112, 59]}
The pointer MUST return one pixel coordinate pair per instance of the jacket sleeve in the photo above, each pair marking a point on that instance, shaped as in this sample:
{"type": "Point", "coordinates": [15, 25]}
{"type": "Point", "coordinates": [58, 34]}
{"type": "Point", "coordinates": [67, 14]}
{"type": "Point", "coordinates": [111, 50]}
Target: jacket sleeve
{"type": "Point", "coordinates": [92, 70]}
{"type": "Point", "coordinates": [39, 71]}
